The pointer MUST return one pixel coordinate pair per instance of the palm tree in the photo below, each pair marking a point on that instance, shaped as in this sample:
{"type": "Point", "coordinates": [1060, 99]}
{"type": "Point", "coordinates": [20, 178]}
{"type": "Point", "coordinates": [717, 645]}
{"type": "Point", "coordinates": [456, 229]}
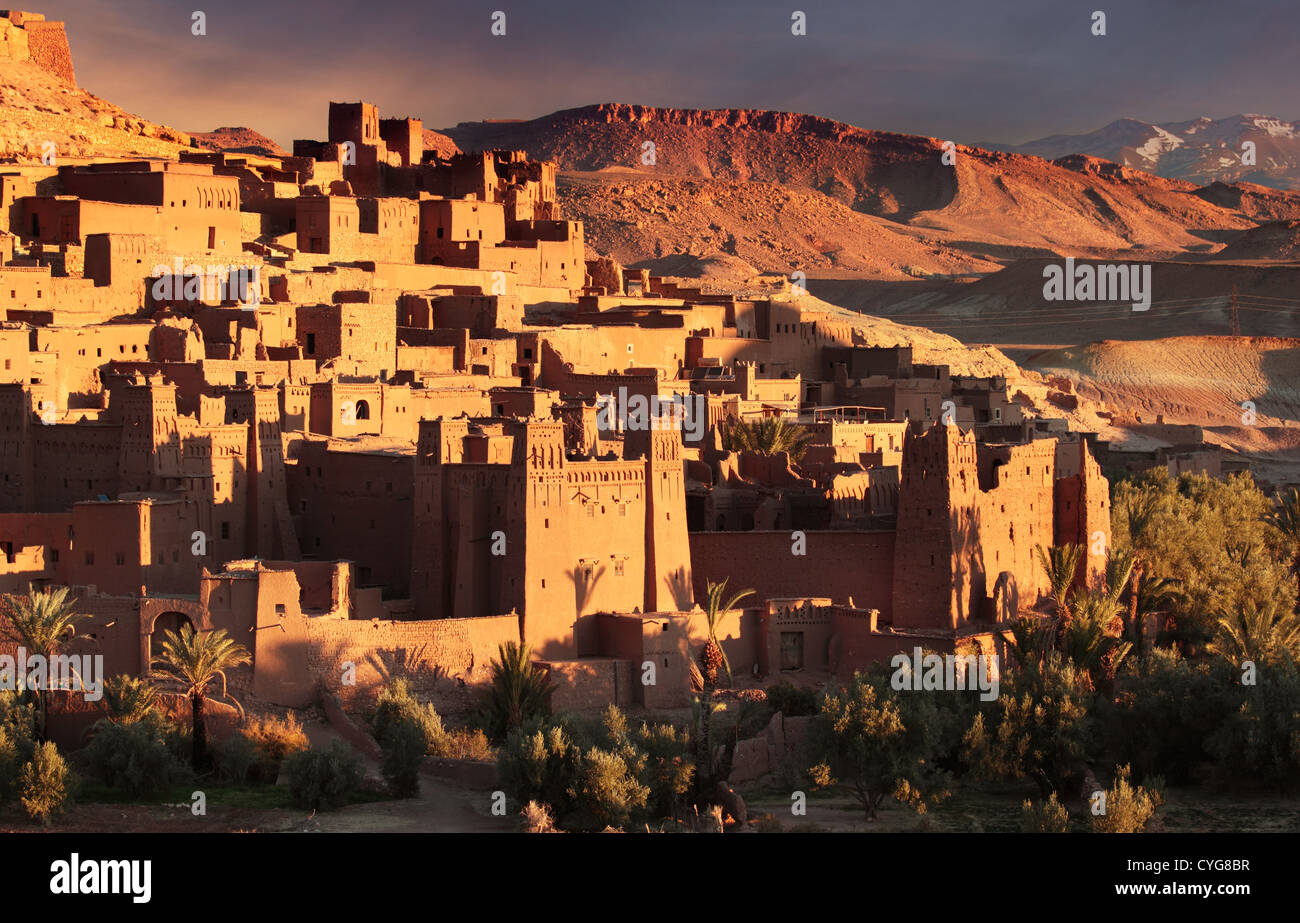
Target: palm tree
{"type": "Point", "coordinates": [41, 621]}
{"type": "Point", "coordinates": [520, 690]}
{"type": "Point", "coordinates": [1093, 641]}
{"type": "Point", "coordinates": [129, 698]}
{"type": "Point", "coordinates": [711, 657]}
{"type": "Point", "coordinates": [1119, 568]}
{"type": "Point", "coordinates": [767, 436]}
{"type": "Point", "coordinates": [1258, 632]}
{"type": "Point", "coordinates": [191, 660]}
{"type": "Point", "coordinates": [1285, 517]}
{"type": "Point", "coordinates": [1061, 564]}
{"type": "Point", "coordinates": [1141, 513]}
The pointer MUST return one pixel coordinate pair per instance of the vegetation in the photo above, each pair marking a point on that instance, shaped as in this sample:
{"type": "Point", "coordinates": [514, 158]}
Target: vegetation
{"type": "Point", "coordinates": [1038, 729]}
{"type": "Point", "coordinates": [41, 621]}
{"type": "Point", "coordinates": [1284, 517]}
{"type": "Point", "coordinates": [1049, 816]}
{"type": "Point", "coordinates": [45, 784]}
{"type": "Point", "coordinates": [766, 436]}
{"type": "Point", "coordinates": [1128, 809]}
{"type": "Point", "coordinates": [133, 756]}
{"type": "Point", "coordinates": [591, 778]}
{"type": "Point", "coordinates": [712, 657]}
{"type": "Point", "coordinates": [520, 691]}
{"type": "Point", "coordinates": [129, 698]}
{"type": "Point", "coordinates": [790, 700]}
{"type": "Point", "coordinates": [324, 779]}
{"type": "Point", "coordinates": [192, 661]}
{"type": "Point", "coordinates": [877, 741]}
{"type": "Point", "coordinates": [1216, 538]}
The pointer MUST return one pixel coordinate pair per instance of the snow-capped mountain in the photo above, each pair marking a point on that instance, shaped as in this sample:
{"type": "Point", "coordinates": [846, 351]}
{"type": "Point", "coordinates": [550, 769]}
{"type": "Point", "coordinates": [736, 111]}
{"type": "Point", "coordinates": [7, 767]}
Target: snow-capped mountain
{"type": "Point", "coordinates": [1200, 151]}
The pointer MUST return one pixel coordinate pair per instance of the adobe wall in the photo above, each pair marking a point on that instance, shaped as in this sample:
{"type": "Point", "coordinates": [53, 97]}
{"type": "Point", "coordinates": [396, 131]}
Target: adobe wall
{"type": "Point", "coordinates": [461, 647]}
{"type": "Point", "coordinates": [839, 565]}
{"type": "Point", "coordinates": [592, 683]}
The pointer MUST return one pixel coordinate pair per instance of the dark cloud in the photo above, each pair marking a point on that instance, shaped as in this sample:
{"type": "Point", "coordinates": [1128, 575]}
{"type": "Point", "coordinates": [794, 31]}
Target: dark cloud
{"type": "Point", "coordinates": [972, 71]}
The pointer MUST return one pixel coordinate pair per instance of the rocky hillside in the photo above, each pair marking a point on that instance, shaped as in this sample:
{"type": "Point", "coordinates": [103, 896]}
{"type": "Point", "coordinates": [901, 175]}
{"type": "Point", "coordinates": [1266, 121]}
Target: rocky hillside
{"type": "Point", "coordinates": [37, 107]}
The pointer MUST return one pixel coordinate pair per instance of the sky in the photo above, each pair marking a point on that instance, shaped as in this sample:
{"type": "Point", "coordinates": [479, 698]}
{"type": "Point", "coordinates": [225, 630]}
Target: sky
{"type": "Point", "coordinates": [973, 71]}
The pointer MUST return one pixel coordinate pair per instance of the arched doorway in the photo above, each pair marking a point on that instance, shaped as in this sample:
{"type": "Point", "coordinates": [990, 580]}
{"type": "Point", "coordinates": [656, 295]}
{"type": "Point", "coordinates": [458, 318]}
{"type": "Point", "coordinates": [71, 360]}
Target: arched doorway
{"type": "Point", "coordinates": [168, 621]}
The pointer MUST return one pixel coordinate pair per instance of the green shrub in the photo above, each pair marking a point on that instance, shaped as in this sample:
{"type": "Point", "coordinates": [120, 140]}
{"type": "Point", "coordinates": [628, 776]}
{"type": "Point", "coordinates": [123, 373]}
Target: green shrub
{"type": "Point", "coordinates": [595, 775]}
{"type": "Point", "coordinates": [791, 700]}
{"type": "Point", "coordinates": [1039, 728]}
{"type": "Point", "coordinates": [404, 744]}
{"type": "Point", "coordinates": [133, 756]}
{"type": "Point", "coordinates": [1127, 808]}
{"type": "Point", "coordinates": [1048, 817]}
{"type": "Point", "coordinates": [1259, 742]}
{"type": "Point", "coordinates": [237, 757]}
{"type": "Point", "coordinates": [396, 705]}
{"type": "Point", "coordinates": [45, 784]}
{"type": "Point", "coordinates": [17, 740]}
{"type": "Point", "coordinates": [607, 791]}
{"type": "Point", "coordinates": [1164, 711]}
{"type": "Point", "coordinates": [324, 780]}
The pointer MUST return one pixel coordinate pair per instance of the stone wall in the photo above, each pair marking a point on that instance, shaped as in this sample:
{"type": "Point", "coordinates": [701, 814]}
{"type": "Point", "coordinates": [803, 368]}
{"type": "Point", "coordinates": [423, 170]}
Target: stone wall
{"type": "Point", "coordinates": [839, 565]}
{"type": "Point", "coordinates": [381, 649]}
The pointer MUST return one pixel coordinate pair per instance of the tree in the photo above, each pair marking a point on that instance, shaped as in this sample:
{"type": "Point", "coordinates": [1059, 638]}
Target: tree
{"type": "Point", "coordinates": [1285, 517]}
{"type": "Point", "coordinates": [129, 698]}
{"type": "Point", "coordinates": [1260, 633]}
{"type": "Point", "coordinates": [1061, 564]}
{"type": "Point", "coordinates": [41, 621]}
{"type": "Point", "coordinates": [1092, 641]}
{"type": "Point", "coordinates": [1041, 729]}
{"type": "Point", "coordinates": [877, 741]}
{"type": "Point", "coordinates": [767, 436]}
{"type": "Point", "coordinates": [192, 660]}
{"type": "Point", "coordinates": [1140, 514]}
{"type": "Point", "coordinates": [520, 690]}
{"type": "Point", "coordinates": [712, 656]}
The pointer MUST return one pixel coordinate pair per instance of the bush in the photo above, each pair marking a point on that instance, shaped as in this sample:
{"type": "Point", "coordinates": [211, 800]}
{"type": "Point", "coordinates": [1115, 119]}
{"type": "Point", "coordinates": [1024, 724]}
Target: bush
{"type": "Point", "coordinates": [791, 700]}
{"type": "Point", "coordinates": [404, 744]}
{"type": "Point", "coordinates": [45, 784]}
{"type": "Point", "coordinates": [274, 739]}
{"type": "Point", "coordinates": [1127, 809]}
{"type": "Point", "coordinates": [1040, 727]}
{"type": "Point", "coordinates": [324, 780]}
{"type": "Point", "coordinates": [542, 766]}
{"type": "Point", "coordinates": [396, 705]}
{"type": "Point", "coordinates": [1048, 817]}
{"type": "Point", "coordinates": [462, 744]}
{"type": "Point", "coordinates": [17, 740]}
{"type": "Point", "coordinates": [133, 756]}
{"type": "Point", "coordinates": [607, 792]}
{"type": "Point", "coordinates": [1259, 743]}
{"type": "Point", "coordinates": [236, 758]}
{"type": "Point", "coordinates": [1164, 711]}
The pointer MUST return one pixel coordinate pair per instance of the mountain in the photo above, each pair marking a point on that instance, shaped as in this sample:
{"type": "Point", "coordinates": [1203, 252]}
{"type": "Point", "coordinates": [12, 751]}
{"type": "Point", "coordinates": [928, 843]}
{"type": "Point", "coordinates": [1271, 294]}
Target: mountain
{"type": "Point", "coordinates": [782, 192]}
{"type": "Point", "coordinates": [1200, 151]}
{"type": "Point", "coordinates": [238, 141]}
